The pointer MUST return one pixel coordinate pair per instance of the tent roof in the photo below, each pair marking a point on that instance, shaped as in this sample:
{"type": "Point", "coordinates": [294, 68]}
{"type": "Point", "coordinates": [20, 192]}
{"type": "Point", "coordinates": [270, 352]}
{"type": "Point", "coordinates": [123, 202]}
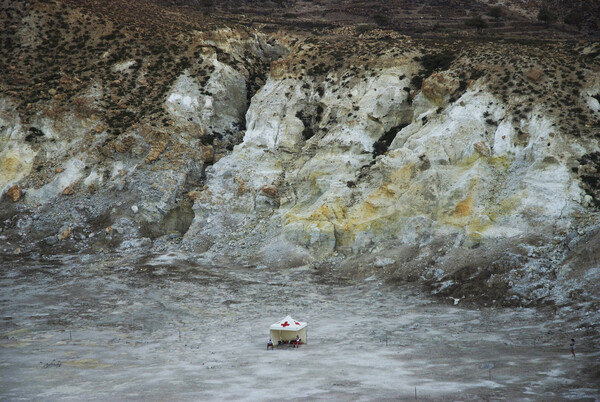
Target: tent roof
{"type": "Point", "coordinates": [288, 324]}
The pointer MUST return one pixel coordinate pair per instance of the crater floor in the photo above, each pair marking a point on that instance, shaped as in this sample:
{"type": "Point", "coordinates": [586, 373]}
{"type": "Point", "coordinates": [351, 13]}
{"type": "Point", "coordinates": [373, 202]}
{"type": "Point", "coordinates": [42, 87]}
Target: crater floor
{"type": "Point", "coordinates": [168, 327]}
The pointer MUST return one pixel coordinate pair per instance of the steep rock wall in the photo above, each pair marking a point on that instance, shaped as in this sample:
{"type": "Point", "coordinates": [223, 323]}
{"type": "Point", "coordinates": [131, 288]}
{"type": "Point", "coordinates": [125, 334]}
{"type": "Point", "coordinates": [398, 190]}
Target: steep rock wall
{"type": "Point", "coordinates": [115, 135]}
{"type": "Point", "coordinates": [358, 166]}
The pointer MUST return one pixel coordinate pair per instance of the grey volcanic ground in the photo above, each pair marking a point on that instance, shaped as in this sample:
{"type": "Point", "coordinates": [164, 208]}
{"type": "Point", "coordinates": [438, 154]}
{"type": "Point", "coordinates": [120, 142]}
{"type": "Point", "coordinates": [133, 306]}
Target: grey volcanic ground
{"type": "Point", "coordinates": [169, 327]}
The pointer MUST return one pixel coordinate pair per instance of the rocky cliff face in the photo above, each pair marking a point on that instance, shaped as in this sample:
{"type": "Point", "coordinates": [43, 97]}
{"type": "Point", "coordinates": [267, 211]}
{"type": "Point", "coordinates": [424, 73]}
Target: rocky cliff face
{"type": "Point", "coordinates": [472, 174]}
{"type": "Point", "coordinates": [468, 166]}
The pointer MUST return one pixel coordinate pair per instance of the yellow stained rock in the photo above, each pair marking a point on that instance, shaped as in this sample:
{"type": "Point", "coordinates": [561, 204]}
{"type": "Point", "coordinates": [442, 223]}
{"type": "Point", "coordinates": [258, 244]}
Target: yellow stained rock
{"type": "Point", "coordinates": [464, 208]}
{"type": "Point", "coordinates": [13, 168]}
{"type": "Point", "coordinates": [323, 213]}
{"type": "Point", "coordinates": [86, 363]}
{"type": "Point", "coordinates": [438, 86]}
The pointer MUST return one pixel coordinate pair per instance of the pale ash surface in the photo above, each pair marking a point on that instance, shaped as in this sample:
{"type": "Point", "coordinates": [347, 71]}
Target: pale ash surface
{"type": "Point", "coordinates": [165, 327]}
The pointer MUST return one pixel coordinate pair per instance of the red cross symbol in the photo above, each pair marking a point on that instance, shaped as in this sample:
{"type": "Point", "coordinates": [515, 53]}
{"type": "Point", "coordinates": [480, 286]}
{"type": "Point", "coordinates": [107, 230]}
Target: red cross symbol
{"type": "Point", "coordinates": [296, 322]}
{"type": "Point", "coordinates": [285, 324]}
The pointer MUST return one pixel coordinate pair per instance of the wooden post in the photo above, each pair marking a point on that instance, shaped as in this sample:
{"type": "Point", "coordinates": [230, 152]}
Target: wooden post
{"type": "Point", "coordinates": [179, 335]}
{"type": "Point", "coordinates": [70, 336]}
{"type": "Point", "coordinates": [415, 393]}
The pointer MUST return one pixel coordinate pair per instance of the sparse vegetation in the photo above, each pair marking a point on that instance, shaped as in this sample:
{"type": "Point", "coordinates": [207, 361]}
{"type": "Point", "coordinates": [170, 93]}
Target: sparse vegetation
{"type": "Point", "coordinates": [364, 28]}
{"type": "Point", "coordinates": [438, 61]}
{"type": "Point", "coordinates": [381, 19]}
{"type": "Point", "coordinates": [496, 12]}
{"type": "Point", "coordinates": [575, 17]}
{"type": "Point", "coordinates": [476, 22]}
{"type": "Point", "coordinates": [547, 15]}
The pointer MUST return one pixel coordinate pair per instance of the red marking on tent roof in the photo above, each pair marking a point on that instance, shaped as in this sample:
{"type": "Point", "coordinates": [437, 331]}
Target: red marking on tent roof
{"type": "Point", "coordinates": [296, 322]}
{"type": "Point", "coordinates": [285, 324]}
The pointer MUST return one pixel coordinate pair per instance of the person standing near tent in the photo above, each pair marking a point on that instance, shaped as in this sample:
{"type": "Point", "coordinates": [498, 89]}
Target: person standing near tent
{"type": "Point", "coordinates": [572, 347]}
{"type": "Point", "coordinates": [270, 344]}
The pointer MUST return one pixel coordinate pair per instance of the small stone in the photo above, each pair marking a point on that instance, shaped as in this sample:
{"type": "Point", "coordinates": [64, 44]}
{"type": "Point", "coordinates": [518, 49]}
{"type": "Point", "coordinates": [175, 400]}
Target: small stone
{"type": "Point", "coordinates": [194, 195]}
{"type": "Point", "coordinates": [134, 209]}
{"type": "Point", "coordinates": [17, 250]}
{"type": "Point", "coordinates": [52, 91]}
{"type": "Point", "coordinates": [65, 234]}
{"type": "Point", "coordinates": [482, 149]}
{"type": "Point", "coordinates": [51, 240]}
{"type": "Point", "coordinates": [155, 150]}
{"type": "Point", "coordinates": [534, 74]}
{"type": "Point", "coordinates": [14, 193]}
{"type": "Point", "coordinates": [68, 190]}
{"type": "Point", "coordinates": [383, 262]}
{"type": "Point", "coordinates": [270, 191]}
{"type": "Point", "coordinates": [58, 169]}
{"type": "Point", "coordinates": [208, 154]}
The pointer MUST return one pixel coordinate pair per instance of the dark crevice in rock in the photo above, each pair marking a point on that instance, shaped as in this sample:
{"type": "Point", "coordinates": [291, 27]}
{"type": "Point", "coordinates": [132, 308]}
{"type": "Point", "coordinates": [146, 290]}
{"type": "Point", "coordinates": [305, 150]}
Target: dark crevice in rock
{"type": "Point", "coordinates": [34, 134]}
{"type": "Point", "coordinates": [590, 178]}
{"type": "Point", "coordinates": [381, 146]}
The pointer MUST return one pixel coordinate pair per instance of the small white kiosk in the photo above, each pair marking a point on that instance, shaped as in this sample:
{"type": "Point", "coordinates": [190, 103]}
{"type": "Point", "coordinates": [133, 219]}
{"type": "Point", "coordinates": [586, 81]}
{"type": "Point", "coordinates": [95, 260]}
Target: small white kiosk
{"type": "Point", "coordinates": [287, 330]}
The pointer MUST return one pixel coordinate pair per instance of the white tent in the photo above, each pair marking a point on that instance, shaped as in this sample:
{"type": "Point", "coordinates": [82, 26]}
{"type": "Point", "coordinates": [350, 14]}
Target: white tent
{"type": "Point", "coordinates": [287, 329]}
